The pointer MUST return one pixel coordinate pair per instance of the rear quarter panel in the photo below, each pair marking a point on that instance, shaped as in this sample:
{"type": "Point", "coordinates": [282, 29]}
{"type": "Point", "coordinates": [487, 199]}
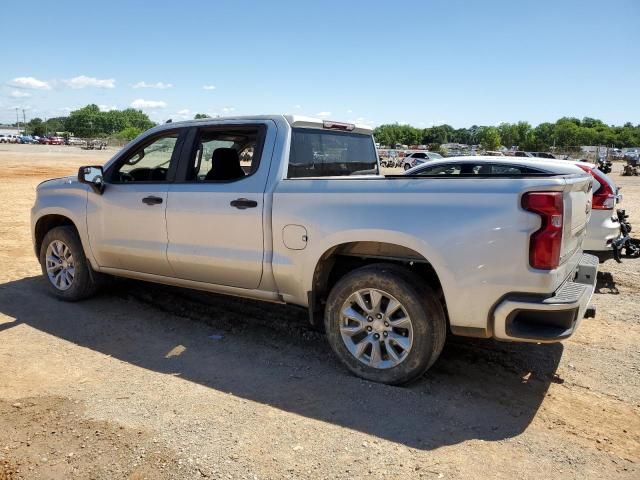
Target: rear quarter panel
{"type": "Point", "coordinates": [473, 232]}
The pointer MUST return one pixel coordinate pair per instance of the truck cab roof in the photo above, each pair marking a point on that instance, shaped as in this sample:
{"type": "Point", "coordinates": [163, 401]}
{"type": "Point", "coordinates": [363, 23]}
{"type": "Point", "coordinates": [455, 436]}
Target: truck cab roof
{"type": "Point", "coordinates": [295, 121]}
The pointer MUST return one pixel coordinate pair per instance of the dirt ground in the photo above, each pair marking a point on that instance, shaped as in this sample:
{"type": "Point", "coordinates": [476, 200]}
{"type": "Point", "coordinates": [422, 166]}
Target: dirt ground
{"type": "Point", "coordinates": [146, 381]}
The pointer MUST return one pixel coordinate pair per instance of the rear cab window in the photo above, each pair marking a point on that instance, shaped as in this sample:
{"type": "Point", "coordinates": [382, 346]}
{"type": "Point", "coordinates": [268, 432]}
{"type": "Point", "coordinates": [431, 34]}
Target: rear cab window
{"type": "Point", "coordinates": [321, 153]}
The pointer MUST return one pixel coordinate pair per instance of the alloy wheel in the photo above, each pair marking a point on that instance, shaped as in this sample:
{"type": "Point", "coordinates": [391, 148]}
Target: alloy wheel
{"type": "Point", "coordinates": [376, 328]}
{"type": "Point", "coordinates": [60, 265]}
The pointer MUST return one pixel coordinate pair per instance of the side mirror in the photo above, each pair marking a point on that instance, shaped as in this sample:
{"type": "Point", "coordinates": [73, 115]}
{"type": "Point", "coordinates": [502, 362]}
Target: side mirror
{"type": "Point", "coordinates": [92, 176]}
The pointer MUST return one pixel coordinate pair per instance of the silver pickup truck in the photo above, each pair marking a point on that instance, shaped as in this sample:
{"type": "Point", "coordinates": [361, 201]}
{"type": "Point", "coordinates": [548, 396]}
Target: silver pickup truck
{"type": "Point", "coordinates": [291, 209]}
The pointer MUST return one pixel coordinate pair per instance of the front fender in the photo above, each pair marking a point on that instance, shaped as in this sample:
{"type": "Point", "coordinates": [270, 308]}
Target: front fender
{"type": "Point", "coordinates": [69, 200]}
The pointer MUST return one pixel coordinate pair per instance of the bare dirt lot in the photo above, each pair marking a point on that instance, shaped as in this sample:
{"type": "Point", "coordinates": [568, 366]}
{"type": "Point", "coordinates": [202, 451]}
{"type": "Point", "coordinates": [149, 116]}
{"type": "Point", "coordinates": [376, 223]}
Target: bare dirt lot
{"type": "Point", "coordinates": [146, 381]}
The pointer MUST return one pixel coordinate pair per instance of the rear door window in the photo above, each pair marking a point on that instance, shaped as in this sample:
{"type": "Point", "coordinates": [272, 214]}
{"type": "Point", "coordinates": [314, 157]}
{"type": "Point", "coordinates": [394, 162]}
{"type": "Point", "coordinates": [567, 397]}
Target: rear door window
{"type": "Point", "coordinates": [319, 153]}
{"type": "Point", "coordinates": [444, 169]}
{"type": "Point", "coordinates": [505, 169]}
{"type": "Point", "coordinates": [471, 169]}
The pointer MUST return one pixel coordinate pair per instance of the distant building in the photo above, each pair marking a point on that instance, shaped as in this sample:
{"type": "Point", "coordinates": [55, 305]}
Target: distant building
{"type": "Point", "coordinates": [9, 130]}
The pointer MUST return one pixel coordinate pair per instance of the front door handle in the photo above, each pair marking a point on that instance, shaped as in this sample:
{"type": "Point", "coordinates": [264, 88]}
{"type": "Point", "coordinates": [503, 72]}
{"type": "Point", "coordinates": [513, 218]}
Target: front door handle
{"type": "Point", "coordinates": [242, 203]}
{"type": "Point", "coordinates": [152, 200]}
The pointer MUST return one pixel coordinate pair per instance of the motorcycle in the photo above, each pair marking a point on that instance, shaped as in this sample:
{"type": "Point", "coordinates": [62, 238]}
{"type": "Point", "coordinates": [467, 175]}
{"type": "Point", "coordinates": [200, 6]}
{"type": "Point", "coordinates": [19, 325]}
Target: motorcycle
{"type": "Point", "coordinates": [625, 246]}
{"type": "Point", "coordinates": [604, 165]}
{"type": "Point", "coordinates": [631, 168]}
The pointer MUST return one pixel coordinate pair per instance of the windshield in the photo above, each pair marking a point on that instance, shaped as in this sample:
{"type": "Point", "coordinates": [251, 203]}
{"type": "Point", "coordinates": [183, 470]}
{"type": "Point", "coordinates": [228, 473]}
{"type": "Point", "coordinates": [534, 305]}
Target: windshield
{"type": "Point", "coordinates": [321, 153]}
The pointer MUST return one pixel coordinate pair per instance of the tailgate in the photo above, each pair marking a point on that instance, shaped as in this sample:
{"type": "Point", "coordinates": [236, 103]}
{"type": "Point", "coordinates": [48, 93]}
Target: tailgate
{"type": "Point", "coordinates": [577, 211]}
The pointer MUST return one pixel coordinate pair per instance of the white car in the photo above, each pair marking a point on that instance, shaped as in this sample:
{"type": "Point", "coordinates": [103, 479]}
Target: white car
{"type": "Point", "coordinates": [603, 227]}
{"type": "Point", "coordinates": [418, 158]}
{"type": "Point", "coordinates": [76, 141]}
{"type": "Point", "coordinates": [8, 138]}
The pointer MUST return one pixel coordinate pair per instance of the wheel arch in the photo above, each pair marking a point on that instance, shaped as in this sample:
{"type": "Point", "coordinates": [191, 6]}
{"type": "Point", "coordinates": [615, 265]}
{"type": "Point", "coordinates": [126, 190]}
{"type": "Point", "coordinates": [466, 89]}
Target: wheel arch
{"type": "Point", "coordinates": [46, 223]}
{"type": "Point", "coordinates": [344, 257]}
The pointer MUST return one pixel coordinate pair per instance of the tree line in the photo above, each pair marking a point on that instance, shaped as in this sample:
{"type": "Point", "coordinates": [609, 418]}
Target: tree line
{"type": "Point", "coordinates": [90, 121]}
{"type": "Point", "coordinates": [566, 133]}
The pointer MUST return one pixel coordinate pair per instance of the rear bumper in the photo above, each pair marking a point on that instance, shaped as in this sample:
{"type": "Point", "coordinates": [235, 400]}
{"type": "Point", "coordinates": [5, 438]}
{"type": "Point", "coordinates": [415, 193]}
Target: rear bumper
{"type": "Point", "coordinates": [602, 231]}
{"type": "Point", "coordinates": [525, 318]}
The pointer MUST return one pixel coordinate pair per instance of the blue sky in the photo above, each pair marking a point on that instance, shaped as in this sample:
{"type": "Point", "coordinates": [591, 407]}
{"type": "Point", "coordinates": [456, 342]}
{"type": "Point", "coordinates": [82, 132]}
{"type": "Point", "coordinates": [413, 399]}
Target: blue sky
{"type": "Point", "coordinates": [419, 62]}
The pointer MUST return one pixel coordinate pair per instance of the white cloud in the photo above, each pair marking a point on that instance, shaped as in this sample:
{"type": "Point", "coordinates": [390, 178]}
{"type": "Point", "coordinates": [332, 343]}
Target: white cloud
{"type": "Point", "coordinates": [349, 111]}
{"type": "Point", "coordinates": [361, 121]}
{"type": "Point", "coordinates": [208, 87]}
{"type": "Point", "coordinates": [107, 108]}
{"type": "Point", "coordinates": [83, 81]}
{"type": "Point", "coordinates": [30, 82]}
{"type": "Point", "coordinates": [297, 107]}
{"type": "Point", "coordinates": [323, 114]}
{"type": "Point", "coordinates": [19, 94]}
{"type": "Point", "coordinates": [20, 107]}
{"type": "Point", "coordinates": [141, 104]}
{"type": "Point", "coordinates": [184, 111]}
{"type": "Point", "coordinates": [228, 109]}
{"type": "Point", "coordinates": [158, 85]}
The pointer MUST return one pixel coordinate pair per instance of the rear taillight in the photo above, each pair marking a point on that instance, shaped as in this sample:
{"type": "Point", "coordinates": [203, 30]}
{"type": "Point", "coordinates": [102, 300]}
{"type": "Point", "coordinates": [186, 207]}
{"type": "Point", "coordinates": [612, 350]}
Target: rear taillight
{"type": "Point", "coordinates": [604, 198]}
{"type": "Point", "coordinates": [545, 243]}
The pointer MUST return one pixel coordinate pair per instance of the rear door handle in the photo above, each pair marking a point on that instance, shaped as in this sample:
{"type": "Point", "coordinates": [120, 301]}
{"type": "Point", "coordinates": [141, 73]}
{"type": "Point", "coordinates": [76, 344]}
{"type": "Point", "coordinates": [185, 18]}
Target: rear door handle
{"type": "Point", "coordinates": [152, 200]}
{"type": "Point", "coordinates": [242, 203]}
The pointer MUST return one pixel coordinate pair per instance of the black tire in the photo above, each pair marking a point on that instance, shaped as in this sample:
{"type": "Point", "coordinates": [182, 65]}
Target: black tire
{"type": "Point", "coordinates": [418, 299]}
{"type": "Point", "coordinates": [406, 167]}
{"type": "Point", "coordinates": [85, 280]}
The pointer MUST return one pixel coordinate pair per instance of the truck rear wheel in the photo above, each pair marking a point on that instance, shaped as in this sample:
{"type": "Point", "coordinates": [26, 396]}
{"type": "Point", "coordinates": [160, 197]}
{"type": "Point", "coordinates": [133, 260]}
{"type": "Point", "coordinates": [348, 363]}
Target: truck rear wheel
{"type": "Point", "coordinates": [65, 267]}
{"type": "Point", "coordinates": [385, 324]}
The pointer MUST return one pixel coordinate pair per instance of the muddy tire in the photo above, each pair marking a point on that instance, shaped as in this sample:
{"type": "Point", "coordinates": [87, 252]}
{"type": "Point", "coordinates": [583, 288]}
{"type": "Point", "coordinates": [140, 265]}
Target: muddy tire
{"type": "Point", "coordinates": [65, 267]}
{"type": "Point", "coordinates": [385, 324]}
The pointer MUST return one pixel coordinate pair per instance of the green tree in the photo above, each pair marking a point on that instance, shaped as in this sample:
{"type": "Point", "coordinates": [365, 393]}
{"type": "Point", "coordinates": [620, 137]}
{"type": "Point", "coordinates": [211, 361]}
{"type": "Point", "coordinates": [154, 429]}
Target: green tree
{"type": "Point", "coordinates": [36, 127]}
{"type": "Point", "coordinates": [90, 121]}
{"type": "Point", "coordinates": [129, 133]}
{"type": "Point", "coordinates": [392, 134]}
{"type": "Point", "coordinates": [544, 135]}
{"type": "Point", "coordinates": [84, 122]}
{"type": "Point", "coordinates": [57, 124]}
{"type": "Point", "coordinates": [508, 134]}
{"type": "Point", "coordinates": [567, 132]}
{"type": "Point", "coordinates": [439, 134]}
{"type": "Point", "coordinates": [490, 138]}
{"type": "Point", "coordinates": [201, 115]}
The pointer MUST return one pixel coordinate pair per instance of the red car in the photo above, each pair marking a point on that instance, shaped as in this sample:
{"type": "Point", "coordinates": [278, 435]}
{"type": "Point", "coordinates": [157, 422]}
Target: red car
{"type": "Point", "coordinates": [51, 141]}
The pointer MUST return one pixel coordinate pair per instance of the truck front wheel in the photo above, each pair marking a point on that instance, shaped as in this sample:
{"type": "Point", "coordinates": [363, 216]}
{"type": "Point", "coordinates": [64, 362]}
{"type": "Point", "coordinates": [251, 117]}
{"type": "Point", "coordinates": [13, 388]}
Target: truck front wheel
{"type": "Point", "coordinates": [385, 323]}
{"type": "Point", "coordinates": [65, 267]}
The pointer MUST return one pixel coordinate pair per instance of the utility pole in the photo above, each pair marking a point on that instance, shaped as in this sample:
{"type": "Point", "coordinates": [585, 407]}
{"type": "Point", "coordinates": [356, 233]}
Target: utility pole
{"type": "Point", "coordinates": [17, 119]}
{"type": "Point", "coordinates": [24, 122]}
